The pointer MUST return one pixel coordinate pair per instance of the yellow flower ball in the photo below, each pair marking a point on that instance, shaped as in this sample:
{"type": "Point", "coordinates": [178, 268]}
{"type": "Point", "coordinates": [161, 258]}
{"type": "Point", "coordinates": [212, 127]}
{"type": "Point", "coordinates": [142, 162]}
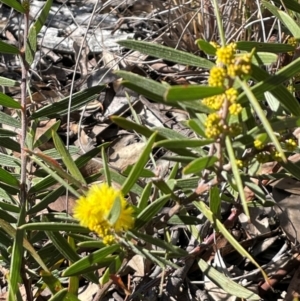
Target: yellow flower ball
{"type": "Point", "coordinates": [225, 55]}
{"type": "Point", "coordinates": [258, 144]}
{"type": "Point", "coordinates": [93, 211]}
{"type": "Point", "coordinates": [235, 109]}
{"type": "Point", "coordinates": [216, 76]}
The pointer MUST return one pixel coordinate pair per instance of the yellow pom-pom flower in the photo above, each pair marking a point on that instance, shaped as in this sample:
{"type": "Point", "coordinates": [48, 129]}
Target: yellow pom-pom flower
{"type": "Point", "coordinates": [235, 109]}
{"type": "Point", "coordinates": [258, 144]}
{"type": "Point", "coordinates": [93, 211]}
{"type": "Point", "coordinates": [232, 95]}
{"type": "Point", "coordinates": [214, 102]}
{"type": "Point", "coordinates": [213, 125]}
{"type": "Point", "coordinates": [293, 42]}
{"type": "Point", "coordinates": [225, 55]}
{"type": "Point", "coordinates": [239, 163]}
{"type": "Point", "coordinates": [216, 76]}
{"type": "Point", "coordinates": [290, 144]}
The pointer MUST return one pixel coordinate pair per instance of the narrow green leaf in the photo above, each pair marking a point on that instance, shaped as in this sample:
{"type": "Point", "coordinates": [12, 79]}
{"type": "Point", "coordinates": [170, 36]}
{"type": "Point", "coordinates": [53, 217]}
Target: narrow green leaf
{"type": "Point", "coordinates": [288, 21]}
{"type": "Point", "coordinates": [66, 250]}
{"type": "Point", "coordinates": [41, 19]}
{"type": "Point", "coordinates": [62, 246]}
{"type": "Point", "coordinates": [162, 133]}
{"type": "Point", "coordinates": [7, 119]}
{"type": "Point", "coordinates": [197, 126]}
{"type": "Point", "coordinates": [199, 164]}
{"type": "Point", "coordinates": [67, 159]}
{"type": "Point", "coordinates": [237, 176]}
{"type": "Point", "coordinates": [89, 260]}
{"type": "Point", "coordinates": [180, 159]}
{"type": "Point", "coordinates": [49, 198]}
{"type": "Point", "coordinates": [190, 92]}
{"type": "Point", "coordinates": [16, 257]}
{"type": "Point", "coordinates": [126, 124]}
{"type": "Point", "coordinates": [184, 220]}
{"type": "Point", "coordinates": [183, 143]}
{"type": "Point", "coordinates": [15, 5]}
{"type": "Point", "coordinates": [7, 178]}
{"type": "Point", "coordinates": [145, 86]}
{"type": "Point", "coordinates": [10, 207]}
{"type": "Point", "coordinates": [7, 217]}
{"type": "Point", "coordinates": [293, 168]}
{"type": "Point", "coordinates": [115, 211]}
{"type": "Point", "coordinates": [274, 85]}
{"type": "Point", "coordinates": [215, 201]}
{"type": "Point", "coordinates": [264, 58]}
{"type": "Point", "coordinates": [51, 281]}
{"type": "Point", "coordinates": [85, 158]}
{"type": "Point", "coordinates": [31, 46]}
{"type": "Point", "coordinates": [150, 211]}
{"type": "Point", "coordinates": [226, 283]}
{"type": "Point", "coordinates": [74, 280]}
{"type": "Point", "coordinates": [7, 82]}
{"type": "Point", "coordinates": [6, 133]}
{"type": "Point", "coordinates": [292, 5]}
{"type": "Point", "coordinates": [7, 48]}
{"type": "Point", "coordinates": [260, 113]}
{"type": "Point", "coordinates": [105, 167]}
{"type": "Point", "coordinates": [60, 108]}
{"type": "Point", "coordinates": [139, 165]}
{"type": "Point", "coordinates": [159, 243]}
{"type": "Point", "coordinates": [120, 179]}
{"type": "Point", "coordinates": [209, 215]}
{"type": "Point", "coordinates": [47, 135]}
{"type": "Point", "coordinates": [161, 262]}
{"type": "Point", "coordinates": [167, 53]}
{"type": "Point", "coordinates": [80, 162]}
{"type": "Point", "coordinates": [260, 194]}
{"type": "Point", "coordinates": [35, 158]}
{"type": "Point", "coordinates": [143, 201]}
{"type": "Point", "coordinates": [264, 47]}
{"type": "Point", "coordinates": [11, 231]}
{"type": "Point", "coordinates": [165, 188]}
{"type": "Point", "coordinates": [277, 125]}
{"type": "Point", "coordinates": [9, 102]}
{"type": "Point", "coordinates": [145, 173]}
{"type": "Point", "coordinates": [206, 47]}
{"type": "Point", "coordinates": [54, 154]}
{"type": "Point", "coordinates": [112, 269]}
{"type": "Point", "coordinates": [15, 266]}
{"type": "Point", "coordinates": [54, 227]}
{"type": "Point", "coordinates": [60, 295]}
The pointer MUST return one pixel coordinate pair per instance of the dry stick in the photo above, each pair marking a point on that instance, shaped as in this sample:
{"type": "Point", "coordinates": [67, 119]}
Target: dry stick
{"type": "Point", "coordinates": [27, 282]}
{"type": "Point", "coordinates": [279, 275]}
{"type": "Point", "coordinates": [23, 188]}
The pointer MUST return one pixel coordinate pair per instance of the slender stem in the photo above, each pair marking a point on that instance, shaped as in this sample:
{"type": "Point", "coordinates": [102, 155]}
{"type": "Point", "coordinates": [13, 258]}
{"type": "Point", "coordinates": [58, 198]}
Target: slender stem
{"type": "Point", "coordinates": [219, 22]}
{"type": "Point", "coordinates": [23, 188]}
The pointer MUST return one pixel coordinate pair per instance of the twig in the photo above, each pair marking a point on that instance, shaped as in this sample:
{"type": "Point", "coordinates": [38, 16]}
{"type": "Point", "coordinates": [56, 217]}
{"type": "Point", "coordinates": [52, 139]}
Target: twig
{"type": "Point", "coordinates": [23, 188]}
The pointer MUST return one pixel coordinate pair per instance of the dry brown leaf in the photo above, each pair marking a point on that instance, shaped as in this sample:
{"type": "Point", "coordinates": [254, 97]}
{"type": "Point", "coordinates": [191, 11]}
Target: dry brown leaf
{"type": "Point", "coordinates": [137, 263]}
{"type": "Point", "coordinates": [125, 156]}
{"type": "Point", "coordinates": [288, 212]}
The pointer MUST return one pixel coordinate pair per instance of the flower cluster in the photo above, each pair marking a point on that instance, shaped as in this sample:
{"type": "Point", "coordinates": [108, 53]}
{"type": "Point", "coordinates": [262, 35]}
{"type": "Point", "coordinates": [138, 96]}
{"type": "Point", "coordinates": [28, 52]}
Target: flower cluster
{"type": "Point", "coordinates": [293, 42]}
{"type": "Point", "coordinates": [93, 211]}
{"type": "Point", "coordinates": [269, 156]}
{"type": "Point", "coordinates": [213, 125]}
{"type": "Point", "coordinates": [226, 55]}
{"type": "Point", "coordinates": [229, 66]}
{"type": "Point", "coordinates": [258, 144]}
{"type": "Point", "coordinates": [267, 152]}
{"type": "Point", "coordinates": [290, 144]}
